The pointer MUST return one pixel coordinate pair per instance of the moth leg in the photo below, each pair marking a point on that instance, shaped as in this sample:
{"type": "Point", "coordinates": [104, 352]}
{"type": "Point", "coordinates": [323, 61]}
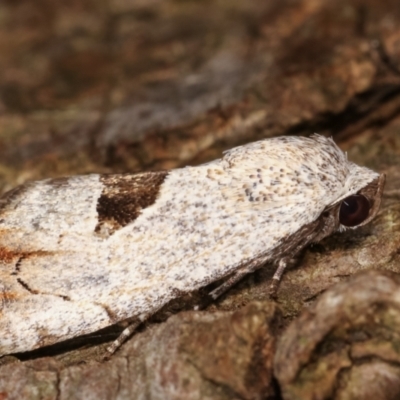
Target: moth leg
{"type": "Point", "coordinates": [251, 267]}
{"type": "Point", "coordinates": [220, 290]}
{"type": "Point", "coordinates": [236, 277]}
{"type": "Point", "coordinates": [125, 334]}
{"type": "Point", "coordinates": [116, 344]}
{"type": "Point", "coordinates": [273, 288]}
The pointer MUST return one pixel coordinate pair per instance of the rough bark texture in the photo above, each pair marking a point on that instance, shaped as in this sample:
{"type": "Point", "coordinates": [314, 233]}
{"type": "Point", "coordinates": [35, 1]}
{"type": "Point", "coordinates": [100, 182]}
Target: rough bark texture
{"type": "Point", "coordinates": [185, 358]}
{"type": "Point", "coordinates": [346, 346]}
{"type": "Point", "coordinates": [126, 85]}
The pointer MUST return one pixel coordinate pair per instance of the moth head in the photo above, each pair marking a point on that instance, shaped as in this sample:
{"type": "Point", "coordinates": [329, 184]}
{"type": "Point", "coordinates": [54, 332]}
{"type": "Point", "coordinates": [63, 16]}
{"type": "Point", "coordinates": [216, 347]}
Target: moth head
{"type": "Point", "coordinates": [359, 208]}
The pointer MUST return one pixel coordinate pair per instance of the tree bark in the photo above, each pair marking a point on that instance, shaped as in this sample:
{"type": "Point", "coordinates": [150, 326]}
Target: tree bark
{"type": "Point", "coordinates": [119, 85]}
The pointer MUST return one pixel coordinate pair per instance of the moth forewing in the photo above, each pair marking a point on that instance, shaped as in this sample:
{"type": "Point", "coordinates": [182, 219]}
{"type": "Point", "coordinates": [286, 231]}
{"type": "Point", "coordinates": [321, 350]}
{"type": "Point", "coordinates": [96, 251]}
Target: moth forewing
{"type": "Point", "coordinates": [78, 254]}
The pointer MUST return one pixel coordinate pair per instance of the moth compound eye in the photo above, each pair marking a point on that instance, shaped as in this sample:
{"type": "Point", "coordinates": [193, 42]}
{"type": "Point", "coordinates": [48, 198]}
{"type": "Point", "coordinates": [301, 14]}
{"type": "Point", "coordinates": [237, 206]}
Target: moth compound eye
{"type": "Point", "coordinates": [354, 210]}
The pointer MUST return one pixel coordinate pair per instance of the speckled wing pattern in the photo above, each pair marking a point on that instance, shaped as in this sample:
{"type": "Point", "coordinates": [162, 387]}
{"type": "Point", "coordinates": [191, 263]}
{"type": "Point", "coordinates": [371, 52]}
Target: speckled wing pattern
{"type": "Point", "coordinates": [78, 254]}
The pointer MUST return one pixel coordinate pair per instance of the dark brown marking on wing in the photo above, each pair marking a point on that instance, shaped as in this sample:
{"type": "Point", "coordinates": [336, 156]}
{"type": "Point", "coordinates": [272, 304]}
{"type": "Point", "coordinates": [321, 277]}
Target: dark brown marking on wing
{"type": "Point", "coordinates": [16, 258]}
{"type": "Point", "coordinates": [26, 286]}
{"type": "Point", "coordinates": [124, 197]}
{"type": "Point", "coordinates": [7, 255]}
{"type": "Point", "coordinates": [111, 314]}
{"type": "Point", "coordinates": [17, 266]}
{"type": "Point", "coordinates": [29, 289]}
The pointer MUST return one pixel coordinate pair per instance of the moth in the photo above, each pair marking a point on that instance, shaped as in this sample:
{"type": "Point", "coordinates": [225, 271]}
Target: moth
{"type": "Point", "coordinates": [81, 253]}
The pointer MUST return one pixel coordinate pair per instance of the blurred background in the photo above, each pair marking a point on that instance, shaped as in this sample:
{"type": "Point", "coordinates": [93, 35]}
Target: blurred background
{"type": "Point", "coordinates": [127, 85]}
